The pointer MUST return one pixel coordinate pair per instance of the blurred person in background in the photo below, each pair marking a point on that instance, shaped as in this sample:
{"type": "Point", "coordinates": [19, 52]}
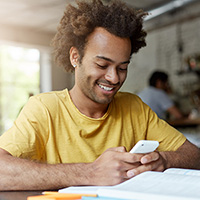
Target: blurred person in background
{"type": "Point", "coordinates": [156, 96]}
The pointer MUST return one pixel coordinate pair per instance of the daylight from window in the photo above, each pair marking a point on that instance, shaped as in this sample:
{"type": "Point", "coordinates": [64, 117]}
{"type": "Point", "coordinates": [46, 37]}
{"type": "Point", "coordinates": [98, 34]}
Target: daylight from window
{"type": "Point", "coordinates": [19, 79]}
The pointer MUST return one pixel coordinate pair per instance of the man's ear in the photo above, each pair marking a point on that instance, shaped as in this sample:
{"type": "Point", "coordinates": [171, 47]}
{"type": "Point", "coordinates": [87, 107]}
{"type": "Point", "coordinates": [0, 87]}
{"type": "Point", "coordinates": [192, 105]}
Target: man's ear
{"type": "Point", "coordinates": [74, 56]}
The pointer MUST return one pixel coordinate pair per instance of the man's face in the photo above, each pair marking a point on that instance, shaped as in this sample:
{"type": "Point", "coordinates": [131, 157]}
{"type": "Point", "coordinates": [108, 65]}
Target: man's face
{"type": "Point", "coordinates": [103, 69]}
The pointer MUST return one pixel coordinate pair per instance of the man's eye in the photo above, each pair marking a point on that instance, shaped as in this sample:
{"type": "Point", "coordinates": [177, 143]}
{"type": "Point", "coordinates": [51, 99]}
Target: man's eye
{"type": "Point", "coordinates": [122, 69]}
{"type": "Point", "coordinates": [102, 66]}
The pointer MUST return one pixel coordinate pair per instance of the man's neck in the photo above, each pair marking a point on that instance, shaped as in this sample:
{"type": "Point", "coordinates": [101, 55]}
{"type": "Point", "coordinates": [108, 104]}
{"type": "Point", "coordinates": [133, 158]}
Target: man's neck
{"type": "Point", "coordinates": [86, 106]}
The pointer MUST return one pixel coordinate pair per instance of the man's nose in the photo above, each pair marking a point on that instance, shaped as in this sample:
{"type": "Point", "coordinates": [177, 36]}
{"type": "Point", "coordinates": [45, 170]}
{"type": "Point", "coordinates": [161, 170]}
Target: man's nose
{"type": "Point", "coordinates": [112, 76]}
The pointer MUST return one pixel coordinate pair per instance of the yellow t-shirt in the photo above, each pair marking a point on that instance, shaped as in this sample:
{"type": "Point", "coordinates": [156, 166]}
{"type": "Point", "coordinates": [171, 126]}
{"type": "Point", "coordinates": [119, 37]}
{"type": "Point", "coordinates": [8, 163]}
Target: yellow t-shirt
{"type": "Point", "coordinates": [51, 129]}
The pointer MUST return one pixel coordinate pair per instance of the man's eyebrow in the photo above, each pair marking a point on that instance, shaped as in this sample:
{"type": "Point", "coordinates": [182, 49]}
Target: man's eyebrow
{"type": "Point", "coordinates": [110, 60]}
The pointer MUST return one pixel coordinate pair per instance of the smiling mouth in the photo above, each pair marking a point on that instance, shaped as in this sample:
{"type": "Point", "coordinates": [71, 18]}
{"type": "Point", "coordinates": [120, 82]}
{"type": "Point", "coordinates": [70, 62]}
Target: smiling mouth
{"type": "Point", "coordinates": [105, 88]}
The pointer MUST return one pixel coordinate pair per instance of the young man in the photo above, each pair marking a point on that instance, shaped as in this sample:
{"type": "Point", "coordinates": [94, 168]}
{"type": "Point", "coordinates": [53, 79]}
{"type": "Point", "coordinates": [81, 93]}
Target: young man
{"type": "Point", "coordinates": [157, 98]}
{"type": "Point", "coordinates": [81, 136]}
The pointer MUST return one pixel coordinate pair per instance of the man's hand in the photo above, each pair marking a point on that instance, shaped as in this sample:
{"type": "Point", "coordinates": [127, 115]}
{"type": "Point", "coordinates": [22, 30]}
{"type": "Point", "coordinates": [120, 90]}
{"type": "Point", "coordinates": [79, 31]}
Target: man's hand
{"type": "Point", "coordinates": [186, 156]}
{"type": "Point", "coordinates": [112, 166]}
{"type": "Point", "coordinates": [116, 165]}
{"type": "Point", "coordinates": [149, 162]}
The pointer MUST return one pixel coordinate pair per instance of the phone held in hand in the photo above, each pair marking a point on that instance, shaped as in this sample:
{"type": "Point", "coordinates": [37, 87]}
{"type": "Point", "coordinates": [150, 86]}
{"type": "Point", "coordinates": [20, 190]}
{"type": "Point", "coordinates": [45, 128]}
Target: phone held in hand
{"type": "Point", "coordinates": [145, 146]}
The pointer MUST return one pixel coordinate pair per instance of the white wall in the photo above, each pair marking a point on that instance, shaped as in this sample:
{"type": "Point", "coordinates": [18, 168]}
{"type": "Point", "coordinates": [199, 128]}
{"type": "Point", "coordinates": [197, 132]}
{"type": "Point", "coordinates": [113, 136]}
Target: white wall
{"type": "Point", "coordinates": [162, 53]}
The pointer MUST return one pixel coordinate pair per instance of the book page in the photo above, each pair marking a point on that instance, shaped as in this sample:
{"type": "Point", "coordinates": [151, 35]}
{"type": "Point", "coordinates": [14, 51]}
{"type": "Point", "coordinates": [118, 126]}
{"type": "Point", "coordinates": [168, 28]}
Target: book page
{"type": "Point", "coordinates": [148, 185]}
{"type": "Point", "coordinates": [83, 189]}
{"type": "Point", "coordinates": [156, 186]}
{"type": "Point", "coordinates": [191, 172]}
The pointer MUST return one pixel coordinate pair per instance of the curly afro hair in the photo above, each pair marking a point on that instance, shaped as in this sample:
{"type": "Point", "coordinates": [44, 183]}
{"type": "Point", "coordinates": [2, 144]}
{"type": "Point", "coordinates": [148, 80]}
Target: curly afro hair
{"type": "Point", "coordinates": [81, 20]}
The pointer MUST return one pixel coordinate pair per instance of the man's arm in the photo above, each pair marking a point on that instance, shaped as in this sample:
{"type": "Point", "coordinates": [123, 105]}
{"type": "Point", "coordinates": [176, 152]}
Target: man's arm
{"type": "Point", "coordinates": [114, 166]}
{"type": "Point", "coordinates": [175, 112]}
{"type": "Point", "coordinates": [21, 174]}
{"type": "Point", "coordinates": [187, 156]}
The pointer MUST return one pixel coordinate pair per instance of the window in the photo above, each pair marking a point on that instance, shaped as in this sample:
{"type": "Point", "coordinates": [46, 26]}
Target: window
{"type": "Point", "coordinates": [19, 79]}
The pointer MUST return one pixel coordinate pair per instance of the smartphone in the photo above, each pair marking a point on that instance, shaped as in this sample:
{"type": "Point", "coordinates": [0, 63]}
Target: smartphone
{"type": "Point", "coordinates": [145, 146]}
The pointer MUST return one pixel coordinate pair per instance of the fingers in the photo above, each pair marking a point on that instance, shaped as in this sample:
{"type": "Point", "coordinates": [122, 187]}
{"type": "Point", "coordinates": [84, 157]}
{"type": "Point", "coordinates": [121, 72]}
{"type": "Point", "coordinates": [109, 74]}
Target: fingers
{"type": "Point", "coordinates": [140, 169]}
{"type": "Point", "coordinates": [116, 165]}
{"type": "Point", "coordinates": [148, 158]}
{"type": "Point", "coordinates": [118, 149]}
{"type": "Point", "coordinates": [120, 153]}
{"type": "Point", "coordinates": [112, 166]}
{"type": "Point", "coordinates": [149, 162]}
{"type": "Point", "coordinates": [120, 168]}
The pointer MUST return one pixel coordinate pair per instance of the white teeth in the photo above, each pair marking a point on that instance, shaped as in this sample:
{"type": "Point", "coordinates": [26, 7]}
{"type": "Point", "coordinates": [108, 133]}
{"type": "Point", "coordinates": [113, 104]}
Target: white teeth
{"type": "Point", "coordinates": [105, 88]}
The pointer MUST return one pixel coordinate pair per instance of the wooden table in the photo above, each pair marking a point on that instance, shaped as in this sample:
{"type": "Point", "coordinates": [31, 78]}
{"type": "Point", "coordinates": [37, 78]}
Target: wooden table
{"type": "Point", "coordinates": [18, 195]}
{"type": "Point", "coordinates": [185, 122]}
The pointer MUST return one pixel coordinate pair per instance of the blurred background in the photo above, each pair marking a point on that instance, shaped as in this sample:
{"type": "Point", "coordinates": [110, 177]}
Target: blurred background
{"type": "Point", "coordinates": [26, 67]}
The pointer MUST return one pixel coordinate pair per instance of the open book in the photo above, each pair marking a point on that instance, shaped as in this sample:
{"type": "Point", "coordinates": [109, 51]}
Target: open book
{"type": "Point", "coordinates": [174, 183]}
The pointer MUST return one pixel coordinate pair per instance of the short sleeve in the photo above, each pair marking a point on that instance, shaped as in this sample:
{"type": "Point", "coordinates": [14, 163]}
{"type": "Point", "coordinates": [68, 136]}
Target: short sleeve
{"type": "Point", "coordinates": [29, 133]}
{"type": "Point", "coordinates": [170, 139]}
